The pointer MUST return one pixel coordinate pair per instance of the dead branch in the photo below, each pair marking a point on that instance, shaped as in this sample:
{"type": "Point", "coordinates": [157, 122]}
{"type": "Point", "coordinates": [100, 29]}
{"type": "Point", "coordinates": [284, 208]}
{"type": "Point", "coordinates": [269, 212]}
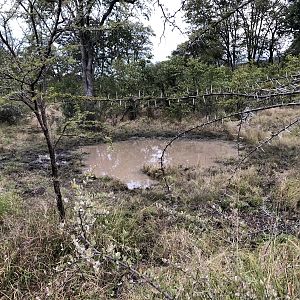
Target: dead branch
{"type": "Point", "coordinates": [96, 252]}
{"type": "Point", "coordinates": [169, 19]}
{"type": "Point", "coordinates": [261, 144]}
{"type": "Point", "coordinates": [216, 120]}
{"type": "Point", "coordinates": [62, 134]}
{"type": "Point", "coordinates": [199, 96]}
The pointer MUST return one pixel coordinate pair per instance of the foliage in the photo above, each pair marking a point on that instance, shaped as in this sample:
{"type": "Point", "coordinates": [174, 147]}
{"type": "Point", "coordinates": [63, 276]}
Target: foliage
{"type": "Point", "coordinates": [177, 111]}
{"type": "Point", "coordinates": [233, 32]}
{"type": "Point", "coordinates": [294, 23]}
{"type": "Point", "coordinates": [215, 234]}
{"type": "Point", "coordinates": [10, 113]}
{"type": "Point", "coordinates": [123, 40]}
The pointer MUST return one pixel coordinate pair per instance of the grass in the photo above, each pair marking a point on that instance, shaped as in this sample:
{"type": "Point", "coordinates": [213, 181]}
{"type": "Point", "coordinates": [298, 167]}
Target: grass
{"type": "Point", "coordinates": [262, 125]}
{"type": "Point", "coordinates": [287, 192]}
{"type": "Point", "coordinates": [9, 202]}
{"type": "Point", "coordinates": [217, 235]}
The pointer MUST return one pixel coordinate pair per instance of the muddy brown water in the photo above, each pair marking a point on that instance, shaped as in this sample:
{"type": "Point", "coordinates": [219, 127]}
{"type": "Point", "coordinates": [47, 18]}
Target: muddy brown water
{"type": "Point", "coordinates": [124, 160]}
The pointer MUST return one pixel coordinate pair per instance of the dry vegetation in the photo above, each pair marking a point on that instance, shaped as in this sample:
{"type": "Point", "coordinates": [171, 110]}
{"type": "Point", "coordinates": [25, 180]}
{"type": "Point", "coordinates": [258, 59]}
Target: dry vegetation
{"type": "Point", "coordinates": [214, 237]}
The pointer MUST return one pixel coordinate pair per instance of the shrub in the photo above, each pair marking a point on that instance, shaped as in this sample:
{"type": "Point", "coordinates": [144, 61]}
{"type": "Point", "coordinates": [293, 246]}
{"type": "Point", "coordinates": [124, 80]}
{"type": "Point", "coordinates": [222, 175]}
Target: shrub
{"type": "Point", "coordinates": [10, 113]}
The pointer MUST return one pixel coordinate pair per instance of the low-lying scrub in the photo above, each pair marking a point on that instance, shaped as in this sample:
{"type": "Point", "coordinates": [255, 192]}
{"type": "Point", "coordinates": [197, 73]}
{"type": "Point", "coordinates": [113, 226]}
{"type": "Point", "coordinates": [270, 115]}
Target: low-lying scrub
{"type": "Point", "coordinates": [219, 233]}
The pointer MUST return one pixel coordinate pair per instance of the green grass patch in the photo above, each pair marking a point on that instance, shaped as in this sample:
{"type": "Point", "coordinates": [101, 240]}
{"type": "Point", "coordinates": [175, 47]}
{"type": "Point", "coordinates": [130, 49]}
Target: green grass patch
{"type": "Point", "coordinates": [9, 203]}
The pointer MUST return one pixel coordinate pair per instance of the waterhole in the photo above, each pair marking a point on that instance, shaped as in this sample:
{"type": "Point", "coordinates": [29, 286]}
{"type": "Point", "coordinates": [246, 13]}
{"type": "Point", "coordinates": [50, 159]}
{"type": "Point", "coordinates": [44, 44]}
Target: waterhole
{"type": "Point", "coordinates": [124, 160]}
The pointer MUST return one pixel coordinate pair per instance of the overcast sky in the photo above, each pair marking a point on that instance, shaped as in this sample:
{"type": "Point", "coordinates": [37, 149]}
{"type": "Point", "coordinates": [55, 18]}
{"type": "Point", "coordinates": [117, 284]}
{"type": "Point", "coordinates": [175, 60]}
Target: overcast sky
{"type": "Point", "coordinates": [162, 49]}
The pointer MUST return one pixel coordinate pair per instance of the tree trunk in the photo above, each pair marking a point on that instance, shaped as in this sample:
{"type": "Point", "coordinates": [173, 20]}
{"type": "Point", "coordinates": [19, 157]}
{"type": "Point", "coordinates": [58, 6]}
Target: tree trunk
{"type": "Point", "coordinates": [55, 177]}
{"type": "Point", "coordinates": [87, 61]}
{"type": "Point", "coordinates": [271, 54]}
{"type": "Point", "coordinates": [272, 46]}
{"type": "Point", "coordinates": [42, 118]}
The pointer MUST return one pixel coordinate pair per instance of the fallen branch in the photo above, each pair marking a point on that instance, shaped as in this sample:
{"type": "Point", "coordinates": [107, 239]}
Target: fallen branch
{"type": "Point", "coordinates": [198, 96]}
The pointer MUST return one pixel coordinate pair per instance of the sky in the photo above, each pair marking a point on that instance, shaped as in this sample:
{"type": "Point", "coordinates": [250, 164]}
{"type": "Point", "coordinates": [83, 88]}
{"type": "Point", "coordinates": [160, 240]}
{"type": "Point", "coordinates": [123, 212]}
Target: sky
{"type": "Point", "coordinates": [164, 45]}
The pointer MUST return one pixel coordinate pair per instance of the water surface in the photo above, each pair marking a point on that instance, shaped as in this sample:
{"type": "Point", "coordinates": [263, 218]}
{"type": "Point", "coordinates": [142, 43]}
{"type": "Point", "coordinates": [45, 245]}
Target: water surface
{"type": "Point", "coordinates": [124, 160]}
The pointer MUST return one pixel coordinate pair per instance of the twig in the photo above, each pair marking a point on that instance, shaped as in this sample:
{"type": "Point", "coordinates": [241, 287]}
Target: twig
{"type": "Point", "coordinates": [215, 121]}
{"type": "Point", "coordinates": [259, 146]}
{"type": "Point", "coordinates": [62, 134]}
{"type": "Point", "coordinates": [239, 135]}
{"type": "Point", "coordinates": [146, 279]}
{"type": "Point", "coordinates": [169, 18]}
{"type": "Point", "coordinates": [243, 119]}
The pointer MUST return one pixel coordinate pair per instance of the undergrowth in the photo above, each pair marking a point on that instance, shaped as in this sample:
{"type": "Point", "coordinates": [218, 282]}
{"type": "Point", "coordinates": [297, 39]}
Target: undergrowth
{"type": "Point", "coordinates": [218, 234]}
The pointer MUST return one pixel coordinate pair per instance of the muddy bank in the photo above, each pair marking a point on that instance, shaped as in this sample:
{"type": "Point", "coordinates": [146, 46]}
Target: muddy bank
{"type": "Point", "coordinates": [143, 131]}
{"type": "Point", "coordinates": [34, 156]}
{"type": "Point", "coordinates": [38, 160]}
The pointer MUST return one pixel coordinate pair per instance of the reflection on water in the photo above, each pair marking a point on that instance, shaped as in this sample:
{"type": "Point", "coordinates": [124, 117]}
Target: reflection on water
{"type": "Point", "coordinates": [124, 160]}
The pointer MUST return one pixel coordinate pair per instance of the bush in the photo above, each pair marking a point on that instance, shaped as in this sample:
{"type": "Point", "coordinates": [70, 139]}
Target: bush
{"type": "Point", "coordinates": [87, 114]}
{"type": "Point", "coordinates": [10, 114]}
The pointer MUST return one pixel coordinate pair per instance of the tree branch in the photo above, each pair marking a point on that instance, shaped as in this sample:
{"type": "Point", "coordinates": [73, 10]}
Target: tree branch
{"type": "Point", "coordinates": [216, 120]}
{"type": "Point", "coordinates": [224, 17]}
{"type": "Point", "coordinates": [96, 252]}
{"type": "Point", "coordinates": [267, 141]}
{"type": "Point", "coordinates": [50, 42]}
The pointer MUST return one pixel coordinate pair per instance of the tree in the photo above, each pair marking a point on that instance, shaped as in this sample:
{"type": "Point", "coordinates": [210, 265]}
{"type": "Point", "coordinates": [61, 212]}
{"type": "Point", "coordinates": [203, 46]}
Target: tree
{"type": "Point", "coordinates": [89, 18]}
{"type": "Point", "coordinates": [262, 25]}
{"type": "Point", "coordinates": [249, 31]}
{"type": "Point", "coordinates": [207, 48]}
{"type": "Point", "coordinates": [201, 15]}
{"type": "Point", "coordinates": [293, 22]}
{"type": "Point", "coordinates": [122, 40]}
{"type": "Point", "coordinates": [27, 61]}
{"type": "Point", "coordinates": [125, 41]}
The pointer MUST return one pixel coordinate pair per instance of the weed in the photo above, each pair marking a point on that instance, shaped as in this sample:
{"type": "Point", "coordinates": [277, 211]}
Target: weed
{"type": "Point", "coordinates": [9, 203]}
